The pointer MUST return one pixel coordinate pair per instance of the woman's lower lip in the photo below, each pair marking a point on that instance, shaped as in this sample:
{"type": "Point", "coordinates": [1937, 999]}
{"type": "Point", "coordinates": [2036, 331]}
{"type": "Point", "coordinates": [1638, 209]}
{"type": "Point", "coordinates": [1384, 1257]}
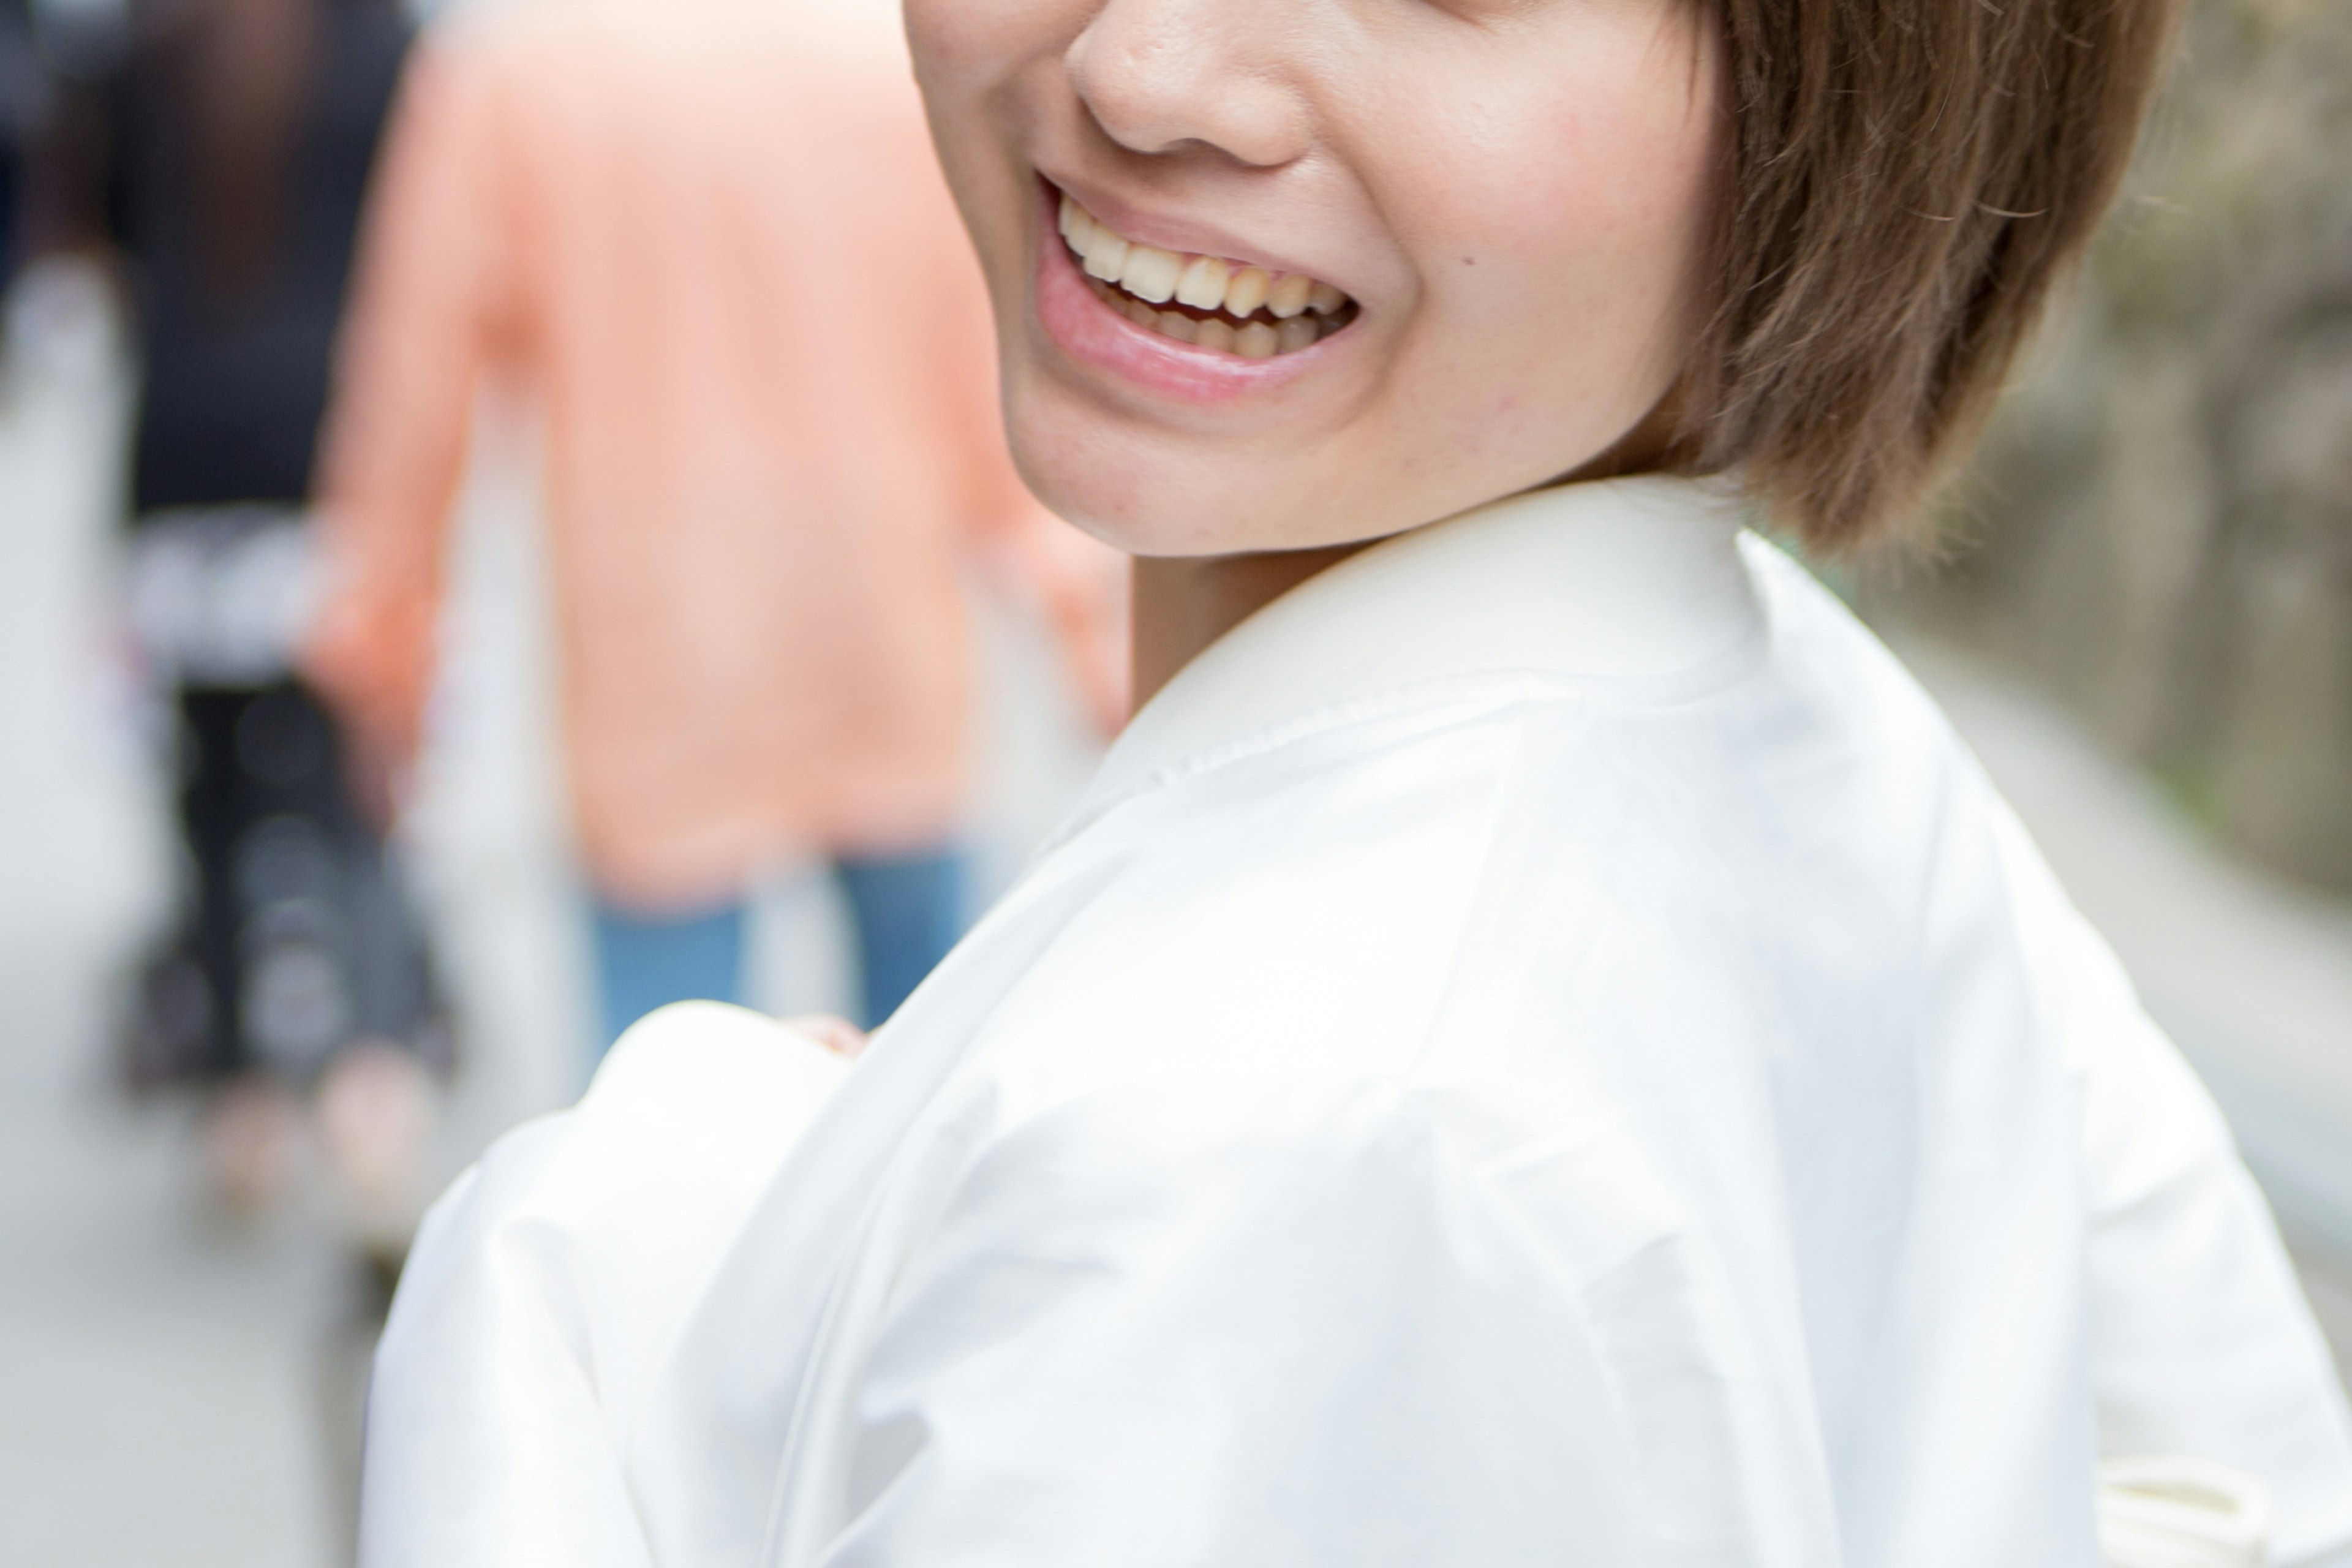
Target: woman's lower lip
{"type": "Point", "coordinates": [1097, 337]}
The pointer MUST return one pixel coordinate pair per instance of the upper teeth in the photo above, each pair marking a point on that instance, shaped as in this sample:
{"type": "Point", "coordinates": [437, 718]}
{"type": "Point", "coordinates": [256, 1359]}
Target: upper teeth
{"type": "Point", "coordinates": [1155, 277]}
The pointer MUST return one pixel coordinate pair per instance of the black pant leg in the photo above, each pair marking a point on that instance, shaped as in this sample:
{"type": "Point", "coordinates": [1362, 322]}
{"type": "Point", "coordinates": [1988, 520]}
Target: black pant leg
{"type": "Point", "coordinates": [217, 813]}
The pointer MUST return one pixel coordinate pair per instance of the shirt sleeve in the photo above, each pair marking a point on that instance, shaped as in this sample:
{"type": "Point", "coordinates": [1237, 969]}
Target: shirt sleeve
{"type": "Point", "coordinates": [431, 304]}
{"type": "Point", "coordinates": [2201, 1343]}
{"type": "Point", "coordinates": [1170, 1326]}
{"type": "Point", "coordinates": [545, 1286]}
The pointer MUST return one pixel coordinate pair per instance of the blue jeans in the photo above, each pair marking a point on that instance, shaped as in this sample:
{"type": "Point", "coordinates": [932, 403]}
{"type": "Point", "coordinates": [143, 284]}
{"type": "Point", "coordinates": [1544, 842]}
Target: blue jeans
{"type": "Point", "coordinates": [907, 910]}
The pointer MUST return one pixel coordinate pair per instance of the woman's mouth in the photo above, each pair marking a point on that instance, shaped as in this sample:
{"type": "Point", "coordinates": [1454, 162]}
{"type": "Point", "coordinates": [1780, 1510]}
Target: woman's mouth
{"type": "Point", "coordinates": [1207, 301]}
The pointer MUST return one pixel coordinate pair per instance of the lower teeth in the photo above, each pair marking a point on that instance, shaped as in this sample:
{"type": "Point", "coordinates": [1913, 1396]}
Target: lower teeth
{"type": "Point", "coordinates": [1259, 337]}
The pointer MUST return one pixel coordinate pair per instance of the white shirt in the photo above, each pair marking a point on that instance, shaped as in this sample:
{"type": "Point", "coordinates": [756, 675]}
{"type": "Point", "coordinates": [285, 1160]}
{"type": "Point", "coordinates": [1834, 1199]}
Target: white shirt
{"type": "Point", "coordinates": [1539, 1047]}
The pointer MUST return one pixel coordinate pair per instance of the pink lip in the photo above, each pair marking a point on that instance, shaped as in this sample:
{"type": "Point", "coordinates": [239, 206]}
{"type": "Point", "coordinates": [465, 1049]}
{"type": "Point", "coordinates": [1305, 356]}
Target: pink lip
{"type": "Point", "coordinates": [1099, 338]}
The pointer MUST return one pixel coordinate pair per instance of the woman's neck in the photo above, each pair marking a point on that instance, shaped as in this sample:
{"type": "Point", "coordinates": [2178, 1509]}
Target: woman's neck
{"type": "Point", "coordinates": [1183, 604]}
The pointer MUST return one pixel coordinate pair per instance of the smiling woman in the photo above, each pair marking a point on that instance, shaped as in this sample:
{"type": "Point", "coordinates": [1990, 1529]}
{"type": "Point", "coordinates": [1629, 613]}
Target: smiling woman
{"type": "Point", "coordinates": [1511, 201]}
{"type": "Point", "coordinates": [1575, 209]}
{"type": "Point", "coordinates": [1538, 1045]}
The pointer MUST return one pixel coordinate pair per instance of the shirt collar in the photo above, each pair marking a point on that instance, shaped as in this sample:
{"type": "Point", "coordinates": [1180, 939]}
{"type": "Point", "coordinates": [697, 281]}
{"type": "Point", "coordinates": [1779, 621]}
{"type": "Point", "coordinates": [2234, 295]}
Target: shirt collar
{"type": "Point", "coordinates": [1610, 581]}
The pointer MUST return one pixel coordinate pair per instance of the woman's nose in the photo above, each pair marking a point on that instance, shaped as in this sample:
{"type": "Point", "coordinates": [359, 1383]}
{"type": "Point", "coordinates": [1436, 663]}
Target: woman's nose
{"type": "Point", "coordinates": [1159, 76]}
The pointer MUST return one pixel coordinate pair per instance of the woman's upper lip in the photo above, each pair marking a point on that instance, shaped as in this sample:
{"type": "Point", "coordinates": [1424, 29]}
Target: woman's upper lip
{"type": "Point", "coordinates": [1183, 236]}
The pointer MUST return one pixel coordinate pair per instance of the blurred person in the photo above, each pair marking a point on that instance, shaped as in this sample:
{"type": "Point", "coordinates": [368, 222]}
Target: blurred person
{"type": "Point", "coordinates": [773, 452]}
{"type": "Point", "coordinates": [229, 151]}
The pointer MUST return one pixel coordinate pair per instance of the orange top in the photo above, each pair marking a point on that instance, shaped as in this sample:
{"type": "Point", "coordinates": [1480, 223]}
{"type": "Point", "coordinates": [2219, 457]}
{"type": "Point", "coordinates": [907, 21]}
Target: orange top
{"type": "Point", "coordinates": [712, 242]}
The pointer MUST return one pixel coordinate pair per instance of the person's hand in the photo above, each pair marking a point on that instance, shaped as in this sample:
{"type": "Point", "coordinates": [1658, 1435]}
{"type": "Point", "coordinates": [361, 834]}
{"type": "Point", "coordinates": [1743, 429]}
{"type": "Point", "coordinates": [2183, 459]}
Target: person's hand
{"type": "Point", "coordinates": [839, 1036]}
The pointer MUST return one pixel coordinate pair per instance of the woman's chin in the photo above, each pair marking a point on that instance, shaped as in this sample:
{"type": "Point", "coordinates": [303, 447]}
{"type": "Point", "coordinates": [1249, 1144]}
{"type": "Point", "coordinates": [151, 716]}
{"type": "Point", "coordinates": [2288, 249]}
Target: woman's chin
{"type": "Point", "coordinates": [1121, 490]}
{"type": "Point", "coordinates": [1148, 492]}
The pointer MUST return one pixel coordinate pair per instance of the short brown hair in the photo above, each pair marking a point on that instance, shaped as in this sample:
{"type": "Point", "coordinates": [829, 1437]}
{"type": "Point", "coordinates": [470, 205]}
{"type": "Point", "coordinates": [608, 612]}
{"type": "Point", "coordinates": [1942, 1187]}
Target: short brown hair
{"type": "Point", "coordinates": [1907, 180]}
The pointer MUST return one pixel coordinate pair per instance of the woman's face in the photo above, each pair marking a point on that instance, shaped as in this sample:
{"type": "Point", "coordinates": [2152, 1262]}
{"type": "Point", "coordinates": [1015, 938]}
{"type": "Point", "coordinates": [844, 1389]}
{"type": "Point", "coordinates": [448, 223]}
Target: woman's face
{"type": "Point", "coordinates": [1425, 252]}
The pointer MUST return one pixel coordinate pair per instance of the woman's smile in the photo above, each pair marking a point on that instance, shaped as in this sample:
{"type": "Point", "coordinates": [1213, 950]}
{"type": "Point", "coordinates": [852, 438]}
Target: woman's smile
{"type": "Point", "coordinates": [1212, 303]}
{"type": "Point", "coordinates": [1188, 326]}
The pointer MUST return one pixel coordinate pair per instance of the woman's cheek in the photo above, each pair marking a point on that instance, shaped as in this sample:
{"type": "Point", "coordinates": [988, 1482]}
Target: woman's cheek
{"type": "Point", "coordinates": [944, 34]}
{"type": "Point", "coordinates": [959, 47]}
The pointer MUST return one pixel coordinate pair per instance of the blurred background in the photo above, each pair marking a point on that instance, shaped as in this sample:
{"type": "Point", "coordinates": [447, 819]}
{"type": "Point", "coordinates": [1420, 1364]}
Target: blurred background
{"type": "Point", "coordinates": [2142, 621]}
